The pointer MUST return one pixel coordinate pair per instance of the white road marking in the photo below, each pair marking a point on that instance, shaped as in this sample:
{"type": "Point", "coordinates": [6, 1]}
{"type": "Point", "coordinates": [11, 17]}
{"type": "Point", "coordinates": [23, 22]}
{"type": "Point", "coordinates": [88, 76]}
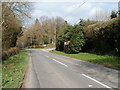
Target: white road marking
{"type": "Point", "coordinates": [89, 86]}
{"type": "Point", "coordinates": [96, 81]}
{"type": "Point", "coordinates": [60, 63]}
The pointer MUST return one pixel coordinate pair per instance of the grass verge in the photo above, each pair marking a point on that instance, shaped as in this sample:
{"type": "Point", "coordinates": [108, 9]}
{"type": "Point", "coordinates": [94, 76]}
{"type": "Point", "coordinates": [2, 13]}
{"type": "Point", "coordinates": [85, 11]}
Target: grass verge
{"type": "Point", "coordinates": [105, 60]}
{"type": "Point", "coordinates": [14, 69]}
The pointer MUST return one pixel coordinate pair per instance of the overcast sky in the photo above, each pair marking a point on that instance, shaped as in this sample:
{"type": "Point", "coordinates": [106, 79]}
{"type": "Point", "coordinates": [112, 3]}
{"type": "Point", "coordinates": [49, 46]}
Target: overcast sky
{"type": "Point", "coordinates": [71, 11]}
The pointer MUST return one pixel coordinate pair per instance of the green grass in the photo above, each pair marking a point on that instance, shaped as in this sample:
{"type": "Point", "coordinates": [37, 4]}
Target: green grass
{"type": "Point", "coordinates": [13, 70]}
{"type": "Point", "coordinates": [105, 60]}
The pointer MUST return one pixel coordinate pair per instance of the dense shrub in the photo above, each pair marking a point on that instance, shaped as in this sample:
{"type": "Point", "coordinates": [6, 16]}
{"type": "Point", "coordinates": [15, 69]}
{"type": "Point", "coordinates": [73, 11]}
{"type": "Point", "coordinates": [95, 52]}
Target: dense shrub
{"type": "Point", "coordinates": [77, 40]}
{"type": "Point", "coordinates": [113, 14]}
{"type": "Point", "coordinates": [12, 51]}
{"type": "Point", "coordinates": [103, 37]}
{"type": "Point", "coordinates": [59, 43]}
{"type": "Point", "coordinates": [99, 37]}
{"type": "Point", "coordinates": [73, 37]}
{"type": "Point", "coordinates": [63, 36]}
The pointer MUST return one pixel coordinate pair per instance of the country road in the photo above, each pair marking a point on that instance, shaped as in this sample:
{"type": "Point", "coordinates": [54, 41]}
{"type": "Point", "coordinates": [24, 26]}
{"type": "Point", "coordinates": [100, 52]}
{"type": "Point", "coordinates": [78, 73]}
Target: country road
{"type": "Point", "coordinates": [48, 70]}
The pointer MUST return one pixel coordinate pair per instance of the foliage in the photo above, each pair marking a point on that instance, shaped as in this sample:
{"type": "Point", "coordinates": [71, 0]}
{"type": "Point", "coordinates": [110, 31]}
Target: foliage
{"type": "Point", "coordinates": [90, 36]}
{"type": "Point", "coordinates": [103, 37]}
{"type": "Point", "coordinates": [74, 36]}
{"type": "Point", "coordinates": [113, 14]}
{"type": "Point", "coordinates": [60, 43]}
{"type": "Point", "coordinates": [13, 70]}
{"type": "Point", "coordinates": [63, 36]}
{"type": "Point", "coordinates": [77, 40]}
{"type": "Point", "coordinates": [43, 31]}
{"type": "Point", "coordinates": [12, 51]}
{"type": "Point", "coordinates": [14, 12]}
{"type": "Point", "coordinates": [85, 23]}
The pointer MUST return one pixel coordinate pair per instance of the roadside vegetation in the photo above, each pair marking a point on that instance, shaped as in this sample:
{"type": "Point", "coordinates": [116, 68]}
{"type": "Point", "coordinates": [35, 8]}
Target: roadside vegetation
{"type": "Point", "coordinates": [42, 32]}
{"type": "Point", "coordinates": [96, 42]}
{"type": "Point", "coordinates": [13, 70]}
{"type": "Point", "coordinates": [103, 37]}
{"type": "Point", "coordinates": [88, 36]}
{"type": "Point", "coordinates": [17, 12]}
{"type": "Point", "coordinates": [105, 60]}
{"type": "Point", "coordinates": [14, 61]}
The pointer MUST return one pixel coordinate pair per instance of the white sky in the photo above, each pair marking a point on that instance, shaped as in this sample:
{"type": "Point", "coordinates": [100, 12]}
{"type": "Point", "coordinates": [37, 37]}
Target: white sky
{"type": "Point", "coordinates": [71, 11]}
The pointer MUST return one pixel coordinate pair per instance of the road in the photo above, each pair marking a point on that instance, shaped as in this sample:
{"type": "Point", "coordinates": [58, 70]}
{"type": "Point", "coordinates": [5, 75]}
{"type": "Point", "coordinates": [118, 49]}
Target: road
{"type": "Point", "coordinates": [48, 70]}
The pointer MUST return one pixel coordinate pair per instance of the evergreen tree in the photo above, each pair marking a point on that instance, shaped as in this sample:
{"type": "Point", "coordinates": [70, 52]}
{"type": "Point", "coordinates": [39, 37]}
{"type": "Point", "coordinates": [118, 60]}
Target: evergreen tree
{"type": "Point", "coordinates": [113, 14]}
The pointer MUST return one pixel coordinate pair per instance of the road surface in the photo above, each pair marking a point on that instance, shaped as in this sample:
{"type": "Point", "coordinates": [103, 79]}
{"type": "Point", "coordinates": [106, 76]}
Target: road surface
{"type": "Point", "coordinates": [48, 70]}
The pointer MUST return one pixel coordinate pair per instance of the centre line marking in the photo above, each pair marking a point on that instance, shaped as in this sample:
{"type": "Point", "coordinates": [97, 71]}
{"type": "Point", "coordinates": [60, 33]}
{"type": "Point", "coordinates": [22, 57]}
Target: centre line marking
{"type": "Point", "coordinates": [60, 63]}
{"type": "Point", "coordinates": [96, 81]}
{"type": "Point", "coordinates": [89, 86]}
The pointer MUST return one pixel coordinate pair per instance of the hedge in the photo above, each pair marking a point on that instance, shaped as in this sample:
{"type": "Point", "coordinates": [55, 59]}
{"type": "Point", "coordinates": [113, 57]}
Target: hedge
{"type": "Point", "coordinates": [12, 51]}
{"type": "Point", "coordinates": [103, 37]}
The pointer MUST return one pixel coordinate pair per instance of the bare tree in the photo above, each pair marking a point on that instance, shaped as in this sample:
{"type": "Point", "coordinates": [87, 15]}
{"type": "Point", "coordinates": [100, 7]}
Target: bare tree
{"type": "Point", "coordinates": [13, 14]}
{"type": "Point", "coordinates": [44, 30]}
{"type": "Point", "coordinates": [101, 15]}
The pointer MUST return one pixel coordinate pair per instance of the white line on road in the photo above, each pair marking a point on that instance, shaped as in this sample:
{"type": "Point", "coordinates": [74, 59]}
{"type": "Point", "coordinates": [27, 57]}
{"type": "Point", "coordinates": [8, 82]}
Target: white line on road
{"type": "Point", "coordinates": [89, 86]}
{"type": "Point", "coordinates": [96, 81]}
{"type": "Point", "coordinates": [60, 63]}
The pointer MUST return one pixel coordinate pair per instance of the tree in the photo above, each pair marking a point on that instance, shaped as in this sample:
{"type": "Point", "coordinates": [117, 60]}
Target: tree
{"type": "Point", "coordinates": [44, 30]}
{"type": "Point", "coordinates": [63, 36]}
{"type": "Point", "coordinates": [13, 15]}
{"type": "Point", "coordinates": [60, 22]}
{"type": "Point", "coordinates": [101, 15]}
{"type": "Point", "coordinates": [70, 39]}
{"type": "Point", "coordinates": [60, 43]}
{"type": "Point", "coordinates": [77, 40]}
{"type": "Point", "coordinates": [113, 14]}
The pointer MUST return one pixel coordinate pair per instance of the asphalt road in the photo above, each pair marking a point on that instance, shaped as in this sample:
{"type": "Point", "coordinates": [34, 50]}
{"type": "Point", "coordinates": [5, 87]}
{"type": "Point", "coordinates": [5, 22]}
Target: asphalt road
{"type": "Point", "coordinates": [48, 70]}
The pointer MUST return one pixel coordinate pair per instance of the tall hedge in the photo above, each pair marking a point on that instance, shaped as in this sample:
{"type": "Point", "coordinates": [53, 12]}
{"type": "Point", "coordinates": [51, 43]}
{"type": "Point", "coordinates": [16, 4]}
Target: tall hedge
{"type": "Point", "coordinates": [103, 37]}
{"type": "Point", "coordinates": [100, 37]}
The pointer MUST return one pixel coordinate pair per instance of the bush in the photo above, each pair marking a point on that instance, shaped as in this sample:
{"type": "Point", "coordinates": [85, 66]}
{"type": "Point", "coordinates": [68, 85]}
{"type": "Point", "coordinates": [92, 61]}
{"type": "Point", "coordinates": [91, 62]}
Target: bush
{"type": "Point", "coordinates": [99, 38]}
{"type": "Point", "coordinates": [63, 36]}
{"type": "Point", "coordinates": [74, 38]}
{"type": "Point", "coordinates": [77, 40]}
{"type": "Point", "coordinates": [12, 51]}
{"type": "Point", "coordinates": [60, 43]}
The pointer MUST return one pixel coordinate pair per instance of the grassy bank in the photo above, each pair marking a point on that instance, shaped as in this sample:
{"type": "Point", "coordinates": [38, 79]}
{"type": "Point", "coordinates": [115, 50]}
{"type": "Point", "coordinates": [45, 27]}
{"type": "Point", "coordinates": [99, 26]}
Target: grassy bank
{"type": "Point", "coordinates": [105, 60]}
{"type": "Point", "coordinates": [14, 70]}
